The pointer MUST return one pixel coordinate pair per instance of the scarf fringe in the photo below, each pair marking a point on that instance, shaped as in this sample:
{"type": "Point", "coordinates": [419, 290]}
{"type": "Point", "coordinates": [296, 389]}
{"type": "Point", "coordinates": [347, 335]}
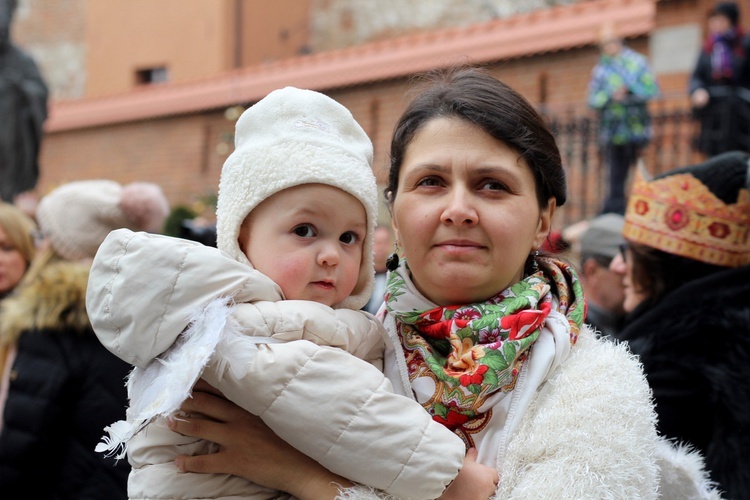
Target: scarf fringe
{"type": "Point", "coordinates": [160, 388]}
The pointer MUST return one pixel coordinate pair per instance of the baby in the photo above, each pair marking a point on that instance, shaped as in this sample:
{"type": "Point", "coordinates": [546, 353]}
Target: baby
{"type": "Point", "coordinates": [296, 210]}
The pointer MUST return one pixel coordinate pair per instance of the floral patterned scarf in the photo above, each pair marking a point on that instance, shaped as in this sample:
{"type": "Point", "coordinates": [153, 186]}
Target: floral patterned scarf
{"type": "Point", "coordinates": [475, 351]}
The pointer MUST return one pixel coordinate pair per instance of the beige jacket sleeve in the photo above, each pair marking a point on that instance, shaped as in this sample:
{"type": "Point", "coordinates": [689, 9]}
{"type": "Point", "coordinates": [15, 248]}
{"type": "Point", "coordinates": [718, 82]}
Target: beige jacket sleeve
{"type": "Point", "coordinates": [356, 332]}
{"type": "Point", "coordinates": [342, 412]}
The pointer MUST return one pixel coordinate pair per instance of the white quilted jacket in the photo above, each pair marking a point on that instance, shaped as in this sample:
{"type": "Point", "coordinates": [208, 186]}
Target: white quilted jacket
{"type": "Point", "coordinates": [340, 410]}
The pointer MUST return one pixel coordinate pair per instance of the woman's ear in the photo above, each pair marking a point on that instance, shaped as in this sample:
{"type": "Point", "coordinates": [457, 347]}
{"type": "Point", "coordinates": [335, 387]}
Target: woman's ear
{"type": "Point", "coordinates": [545, 221]}
{"type": "Point", "coordinates": [396, 237]}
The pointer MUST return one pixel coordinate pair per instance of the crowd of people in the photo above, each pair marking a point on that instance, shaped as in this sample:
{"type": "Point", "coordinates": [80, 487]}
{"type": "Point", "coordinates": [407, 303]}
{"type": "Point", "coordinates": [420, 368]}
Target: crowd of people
{"type": "Point", "coordinates": [309, 351]}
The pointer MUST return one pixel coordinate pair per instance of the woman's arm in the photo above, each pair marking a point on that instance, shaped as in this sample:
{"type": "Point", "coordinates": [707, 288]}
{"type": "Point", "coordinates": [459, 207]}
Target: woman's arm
{"type": "Point", "coordinates": [251, 450]}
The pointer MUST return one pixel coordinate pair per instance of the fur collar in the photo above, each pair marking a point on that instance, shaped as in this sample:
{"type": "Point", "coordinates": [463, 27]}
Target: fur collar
{"type": "Point", "coordinates": [54, 299]}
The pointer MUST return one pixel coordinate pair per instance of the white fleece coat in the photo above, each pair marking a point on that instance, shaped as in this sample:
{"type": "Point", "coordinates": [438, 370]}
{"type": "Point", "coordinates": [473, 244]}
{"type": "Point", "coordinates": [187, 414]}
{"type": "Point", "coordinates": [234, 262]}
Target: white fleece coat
{"type": "Point", "coordinates": [296, 373]}
{"type": "Point", "coordinates": [588, 432]}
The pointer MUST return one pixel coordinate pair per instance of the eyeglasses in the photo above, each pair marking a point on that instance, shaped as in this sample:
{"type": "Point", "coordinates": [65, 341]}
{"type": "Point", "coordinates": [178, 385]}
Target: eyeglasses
{"type": "Point", "coordinates": [624, 251]}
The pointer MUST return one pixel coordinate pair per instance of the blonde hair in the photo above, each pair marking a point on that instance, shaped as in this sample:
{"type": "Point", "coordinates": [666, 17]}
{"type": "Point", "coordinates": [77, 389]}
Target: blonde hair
{"type": "Point", "coordinates": [19, 228]}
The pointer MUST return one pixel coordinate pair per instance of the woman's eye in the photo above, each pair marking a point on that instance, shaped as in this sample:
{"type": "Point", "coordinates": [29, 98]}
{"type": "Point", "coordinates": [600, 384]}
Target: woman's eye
{"type": "Point", "coordinates": [349, 238]}
{"type": "Point", "coordinates": [7, 248]}
{"type": "Point", "coordinates": [494, 185]}
{"type": "Point", "coordinates": [429, 181]}
{"type": "Point", "coordinates": [304, 231]}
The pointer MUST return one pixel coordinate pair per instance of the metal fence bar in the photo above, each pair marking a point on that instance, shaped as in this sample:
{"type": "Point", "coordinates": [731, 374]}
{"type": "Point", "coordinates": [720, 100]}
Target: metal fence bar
{"type": "Point", "coordinates": [576, 132]}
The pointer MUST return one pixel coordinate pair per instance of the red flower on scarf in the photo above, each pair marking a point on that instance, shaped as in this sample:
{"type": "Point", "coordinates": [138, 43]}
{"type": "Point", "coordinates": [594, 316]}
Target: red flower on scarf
{"type": "Point", "coordinates": [452, 419]}
{"type": "Point", "coordinates": [524, 322]}
{"type": "Point", "coordinates": [432, 315]}
{"type": "Point", "coordinates": [438, 330]}
{"type": "Point", "coordinates": [467, 314]}
{"type": "Point", "coordinates": [473, 378]}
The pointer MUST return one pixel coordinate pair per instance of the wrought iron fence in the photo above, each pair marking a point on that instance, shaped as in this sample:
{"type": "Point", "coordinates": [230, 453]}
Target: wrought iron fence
{"type": "Point", "coordinates": [576, 131]}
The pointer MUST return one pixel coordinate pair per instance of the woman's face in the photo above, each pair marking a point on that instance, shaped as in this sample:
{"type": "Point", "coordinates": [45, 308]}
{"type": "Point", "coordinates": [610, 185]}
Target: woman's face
{"type": "Point", "coordinates": [12, 264]}
{"type": "Point", "coordinates": [622, 264]}
{"type": "Point", "coordinates": [466, 212]}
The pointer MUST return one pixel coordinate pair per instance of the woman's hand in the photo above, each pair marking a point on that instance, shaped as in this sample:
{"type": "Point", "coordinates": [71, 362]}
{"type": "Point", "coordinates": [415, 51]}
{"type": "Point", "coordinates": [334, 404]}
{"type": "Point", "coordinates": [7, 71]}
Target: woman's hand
{"type": "Point", "coordinates": [474, 480]}
{"type": "Point", "coordinates": [248, 448]}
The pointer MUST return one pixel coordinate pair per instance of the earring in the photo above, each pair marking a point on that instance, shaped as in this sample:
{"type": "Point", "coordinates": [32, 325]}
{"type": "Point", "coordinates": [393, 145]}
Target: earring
{"type": "Point", "coordinates": [531, 266]}
{"type": "Point", "coordinates": [534, 263]}
{"type": "Point", "coordinates": [391, 263]}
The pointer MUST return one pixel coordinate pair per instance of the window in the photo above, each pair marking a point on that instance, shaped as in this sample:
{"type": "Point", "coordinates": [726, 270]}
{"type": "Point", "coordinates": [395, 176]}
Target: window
{"type": "Point", "coordinates": [148, 76]}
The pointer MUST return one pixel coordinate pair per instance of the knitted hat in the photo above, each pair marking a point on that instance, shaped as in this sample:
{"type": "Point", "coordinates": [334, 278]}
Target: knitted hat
{"type": "Point", "coordinates": [728, 10]}
{"type": "Point", "coordinates": [289, 138]}
{"type": "Point", "coordinates": [701, 212]}
{"type": "Point", "coordinates": [76, 217]}
{"type": "Point", "coordinates": [603, 237]}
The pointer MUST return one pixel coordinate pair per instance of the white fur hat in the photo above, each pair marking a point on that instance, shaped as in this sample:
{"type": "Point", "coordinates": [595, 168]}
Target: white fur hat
{"type": "Point", "coordinates": [76, 217]}
{"type": "Point", "coordinates": [289, 138]}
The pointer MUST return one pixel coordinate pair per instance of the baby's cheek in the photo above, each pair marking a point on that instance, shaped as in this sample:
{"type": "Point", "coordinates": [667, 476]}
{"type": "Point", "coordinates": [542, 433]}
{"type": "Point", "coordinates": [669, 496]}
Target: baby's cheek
{"type": "Point", "coordinates": [291, 276]}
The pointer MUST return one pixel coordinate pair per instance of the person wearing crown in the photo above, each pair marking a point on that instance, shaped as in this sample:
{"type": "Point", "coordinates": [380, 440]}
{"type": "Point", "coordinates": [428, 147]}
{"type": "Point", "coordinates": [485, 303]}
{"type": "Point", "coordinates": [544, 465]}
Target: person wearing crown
{"type": "Point", "coordinates": [686, 272]}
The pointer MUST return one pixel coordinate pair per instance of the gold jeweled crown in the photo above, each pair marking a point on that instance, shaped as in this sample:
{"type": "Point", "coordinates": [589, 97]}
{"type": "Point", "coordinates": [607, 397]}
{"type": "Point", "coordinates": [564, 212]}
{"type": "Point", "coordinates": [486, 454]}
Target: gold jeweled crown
{"type": "Point", "coordinates": [678, 214]}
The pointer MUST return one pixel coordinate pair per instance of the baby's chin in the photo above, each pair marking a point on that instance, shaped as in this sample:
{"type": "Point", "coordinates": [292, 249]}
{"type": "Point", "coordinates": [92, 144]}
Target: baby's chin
{"type": "Point", "coordinates": [320, 299]}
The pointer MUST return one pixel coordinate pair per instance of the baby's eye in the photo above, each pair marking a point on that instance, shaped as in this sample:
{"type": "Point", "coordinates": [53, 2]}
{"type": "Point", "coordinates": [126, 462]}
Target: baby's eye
{"type": "Point", "coordinates": [304, 231]}
{"type": "Point", "coordinates": [349, 238]}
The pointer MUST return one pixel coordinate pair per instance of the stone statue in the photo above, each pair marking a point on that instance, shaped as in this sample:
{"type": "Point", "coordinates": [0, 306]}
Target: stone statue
{"type": "Point", "coordinates": [23, 109]}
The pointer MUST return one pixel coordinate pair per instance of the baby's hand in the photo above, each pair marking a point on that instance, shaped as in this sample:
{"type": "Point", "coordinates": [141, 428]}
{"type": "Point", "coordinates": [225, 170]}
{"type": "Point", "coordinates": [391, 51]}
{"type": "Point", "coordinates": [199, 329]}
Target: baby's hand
{"type": "Point", "coordinates": [474, 480]}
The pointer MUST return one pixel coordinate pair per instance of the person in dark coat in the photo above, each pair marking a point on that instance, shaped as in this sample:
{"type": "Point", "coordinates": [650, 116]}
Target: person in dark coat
{"type": "Point", "coordinates": [23, 108]}
{"type": "Point", "coordinates": [686, 271]}
{"type": "Point", "coordinates": [720, 84]}
{"type": "Point", "coordinates": [64, 386]}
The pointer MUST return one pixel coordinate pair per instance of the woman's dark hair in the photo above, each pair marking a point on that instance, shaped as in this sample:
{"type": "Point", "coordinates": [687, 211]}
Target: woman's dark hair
{"type": "Point", "coordinates": [477, 97]}
{"type": "Point", "coordinates": [656, 273]}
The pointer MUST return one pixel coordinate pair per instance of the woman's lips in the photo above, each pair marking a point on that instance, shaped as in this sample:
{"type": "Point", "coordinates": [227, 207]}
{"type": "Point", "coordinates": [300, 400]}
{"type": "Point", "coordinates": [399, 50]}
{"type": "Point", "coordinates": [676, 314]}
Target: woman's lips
{"type": "Point", "coordinates": [459, 245]}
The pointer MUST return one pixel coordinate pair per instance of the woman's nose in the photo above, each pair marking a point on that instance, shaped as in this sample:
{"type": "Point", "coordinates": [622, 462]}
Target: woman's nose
{"type": "Point", "coordinates": [459, 209]}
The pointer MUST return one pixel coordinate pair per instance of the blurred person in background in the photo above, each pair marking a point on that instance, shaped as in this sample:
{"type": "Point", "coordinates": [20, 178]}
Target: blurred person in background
{"type": "Point", "coordinates": [23, 110]}
{"type": "Point", "coordinates": [720, 84]}
{"type": "Point", "coordinates": [17, 250]}
{"type": "Point", "coordinates": [16, 246]}
{"type": "Point", "coordinates": [686, 271]}
{"type": "Point", "coordinates": [599, 244]}
{"type": "Point", "coordinates": [64, 386]}
{"type": "Point", "coordinates": [382, 245]}
{"type": "Point", "coordinates": [621, 85]}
